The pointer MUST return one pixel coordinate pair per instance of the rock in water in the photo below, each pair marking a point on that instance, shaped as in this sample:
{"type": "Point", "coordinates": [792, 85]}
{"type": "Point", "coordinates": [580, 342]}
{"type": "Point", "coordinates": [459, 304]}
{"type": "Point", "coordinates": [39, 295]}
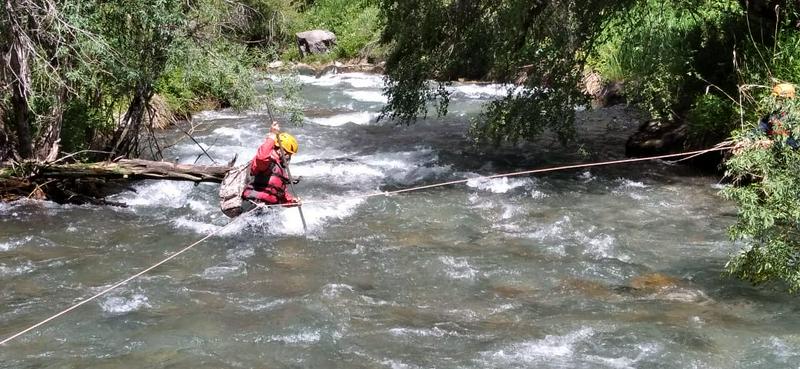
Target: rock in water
{"type": "Point", "coordinates": [315, 41]}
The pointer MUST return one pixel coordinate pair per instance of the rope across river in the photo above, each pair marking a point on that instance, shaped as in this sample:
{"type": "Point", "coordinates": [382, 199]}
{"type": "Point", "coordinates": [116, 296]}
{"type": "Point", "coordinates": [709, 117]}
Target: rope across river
{"type": "Point", "coordinates": [686, 155]}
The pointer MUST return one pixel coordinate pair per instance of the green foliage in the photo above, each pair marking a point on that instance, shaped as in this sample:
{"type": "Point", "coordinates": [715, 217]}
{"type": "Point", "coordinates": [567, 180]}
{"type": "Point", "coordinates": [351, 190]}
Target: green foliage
{"type": "Point", "coordinates": [82, 123]}
{"type": "Point", "coordinates": [710, 120]}
{"type": "Point", "coordinates": [355, 23]}
{"type": "Point", "coordinates": [542, 43]}
{"type": "Point", "coordinates": [766, 171]}
{"type": "Point", "coordinates": [265, 23]}
{"type": "Point", "coordinates": [197, 74]}
{"type": "Point", "coordinates": [664, 51]}
{"type": "Point", "coordinates": [284, 98]}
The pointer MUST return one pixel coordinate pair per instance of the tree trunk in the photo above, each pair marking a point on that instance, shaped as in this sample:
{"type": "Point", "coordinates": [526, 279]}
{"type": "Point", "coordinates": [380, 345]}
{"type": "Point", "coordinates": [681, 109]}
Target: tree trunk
{"type": "Point", "coordinates": [17, 62]}
{"type": "Point", "coordinates": [133, 169]}
{"type": "Point", "coordinates": [47, 143]}
{"type": "Point", "coordinates": [126, 138]}
{"type": "Point", "coordinates": [82, 183]}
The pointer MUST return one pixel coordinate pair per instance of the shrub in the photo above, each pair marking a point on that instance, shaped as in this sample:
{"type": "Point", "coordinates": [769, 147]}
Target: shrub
{"type": "Point", "coordinates": [766, 174]}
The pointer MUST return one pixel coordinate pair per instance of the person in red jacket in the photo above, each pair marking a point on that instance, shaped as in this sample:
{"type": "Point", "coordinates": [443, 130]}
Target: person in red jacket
{"type": "Point", "coordinates": [268, 169]}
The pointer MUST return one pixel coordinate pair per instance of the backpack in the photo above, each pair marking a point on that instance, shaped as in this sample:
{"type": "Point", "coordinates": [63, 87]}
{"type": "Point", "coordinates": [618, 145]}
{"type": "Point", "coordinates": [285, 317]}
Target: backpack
{"type": "Point", "coordinates": [231, 188]}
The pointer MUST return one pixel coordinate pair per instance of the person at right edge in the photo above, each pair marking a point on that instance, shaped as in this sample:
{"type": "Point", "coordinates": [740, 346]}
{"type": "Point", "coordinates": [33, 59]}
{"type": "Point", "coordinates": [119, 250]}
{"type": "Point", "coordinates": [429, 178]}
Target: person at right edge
{"type": "Point", "coordinates": [268, 169]}
{"type": "Point", "coordinates": [774, 125]}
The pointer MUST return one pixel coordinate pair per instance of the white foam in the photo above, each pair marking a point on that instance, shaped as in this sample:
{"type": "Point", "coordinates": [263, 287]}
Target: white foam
{"type": "Point", "coordinates": [394, 364]}
{"type": "Point", "coordinates": [538, 351]}
{"type": "Point", "coordinates": [169, 194]}
{"type": "Point", "coordinates": [627, 183]}
{"type": "Point", "coordinates": [14, 243]}
{"type": "Point", "coordinates": [333, 290]}
{"type": "Point", "coordinates": [600, 246]}
{"type": "Point", "coordinates": [235, 133]}
{"type": "Point", "coordinates": [122, 305]}
{"type": "Point", "coordinates": [498, 185]}
{"type": "Point", "coordinates": [367, 96]}
{"type": "Point", "coordinates": [195, 225]}
{"type": "Point", "coordinates": [302, 337]}
{"type": "Point", "coordinates": [15, 270]}
{"type": "Point", "coordinates": [481, 91]}
{"type": "Point", "coordinates": [538, 195]}
{"type": "Point", "coordinates": [342, 173]}
{"type": "Point", "coordinates": [586, 177]}
{"type": "Point", "coordinates": [360, 118]}
{"type": "Point", "coordinates": [555, 230]}
{"type": "Point", "coordinates": [363, 80]}
{"type": "Point", "coordinates": [781, 348]}
{"type": "Point", "coordinates": [200, 207]}
{"type": "Point", "coordinates": [355, 80]}
{"type": "Point", "coordinates": [317, 215]}
{"type": "Point", "coordinates": [419, 332]}
{"type": "Point", "coordinates": [259, 305]}
{"type": "Point", "coordinates": [458, 268]}
{"type": "Point", "coordinates": [218, 115]}
{"type": "Point", "coordinates": [221, 271]}
{"type": "Point", "coordinates": [328, 80]}
{"type": "Point", "coordinates": [620, 362]}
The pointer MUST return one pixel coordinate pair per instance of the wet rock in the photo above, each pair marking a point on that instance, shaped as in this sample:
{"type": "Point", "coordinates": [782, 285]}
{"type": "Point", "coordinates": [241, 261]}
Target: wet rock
{"type": "Point", "coordinates": [587, 288]}
{"type": "Point", "coordinates": [603, 93]}
{"type": "Point", "coordinates": [316, 41]}
{"type": "Point", "coordinates": [655, 138]}
{"type": "Point", "coordinates": [305, 69]}
{"type": "Point", "coordinates": [653, 282]}
{"type": "Point", "coordinates": [507, 291]}
{"type": "Point", "coordinates": [362, 68]}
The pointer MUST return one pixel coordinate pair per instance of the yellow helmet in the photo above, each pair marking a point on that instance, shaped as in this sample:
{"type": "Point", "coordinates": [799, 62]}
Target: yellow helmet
{"type": "Point", "coordinates": [783, 90]}
{"type": "Point", "coordinates": [288, 143]}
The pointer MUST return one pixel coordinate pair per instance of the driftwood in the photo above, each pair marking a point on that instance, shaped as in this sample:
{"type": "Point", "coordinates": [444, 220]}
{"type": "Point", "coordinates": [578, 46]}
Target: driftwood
{"type": "Point", "coordinates": [136, 169]}
{"type": "Point", "coordinates": [86, 183]}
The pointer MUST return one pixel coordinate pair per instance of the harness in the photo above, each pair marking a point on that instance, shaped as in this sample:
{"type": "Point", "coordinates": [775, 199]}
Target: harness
{"type": "Point", "coordinates": [261, 180]}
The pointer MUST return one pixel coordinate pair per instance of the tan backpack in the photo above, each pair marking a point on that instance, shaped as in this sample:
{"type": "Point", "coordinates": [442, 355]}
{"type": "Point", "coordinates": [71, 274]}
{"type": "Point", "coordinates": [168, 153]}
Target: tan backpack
{"type": "Point", "coordinates": [231, 188]}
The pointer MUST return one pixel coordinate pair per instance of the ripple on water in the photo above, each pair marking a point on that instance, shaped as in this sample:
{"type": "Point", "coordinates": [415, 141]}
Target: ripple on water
{"type": "Point", "coordinates": [549, 350]}
{"type": "Point", "coordinates": [123, 305]}
{"type": "Point", "coordinates": [366, 96]}
{"type": "Point", "coordinates": [221, 271]}
{"type": "Point", "coordinates": [458, 268]}
{"type": "Point", "coordinates": [360, 118]}
{"type": "Point", "coordinates": [303, 337]}
{"type": "Point", "coordinates": [13, 243]}
{"type": "Point", "coordinates": [498, 185]}
{"type": "Point", "coordinates": [16, 270]}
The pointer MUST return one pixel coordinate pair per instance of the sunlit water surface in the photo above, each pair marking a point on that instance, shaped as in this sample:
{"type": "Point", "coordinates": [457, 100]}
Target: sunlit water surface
{"type": "Point", "coordinates": [601, 268]}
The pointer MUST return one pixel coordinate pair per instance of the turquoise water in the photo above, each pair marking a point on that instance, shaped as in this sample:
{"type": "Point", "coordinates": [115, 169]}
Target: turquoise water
{"type": "Point", "coordinates": [603, 268]}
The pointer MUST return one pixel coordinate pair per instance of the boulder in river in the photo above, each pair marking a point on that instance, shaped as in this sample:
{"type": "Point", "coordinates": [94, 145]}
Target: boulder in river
{"type": "Point", "coordinates": [316, 41]}
{"type": "Point", "coordinates": [604, 93]}
{"type": "Point", "coordinates": [655, 138]}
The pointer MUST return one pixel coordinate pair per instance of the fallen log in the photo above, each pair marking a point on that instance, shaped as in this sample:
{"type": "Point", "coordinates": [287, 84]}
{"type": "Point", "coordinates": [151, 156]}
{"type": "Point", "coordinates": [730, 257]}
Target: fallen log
{"type": "Point", "coordinates": [82, 182]}
{"type": "Point", "coordinates": [134, 169]}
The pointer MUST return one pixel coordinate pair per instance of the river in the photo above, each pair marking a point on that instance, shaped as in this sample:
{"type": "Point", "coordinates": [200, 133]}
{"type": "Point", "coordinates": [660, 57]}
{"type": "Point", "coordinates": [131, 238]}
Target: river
{"type": "Point", "coordinates": [617, 267]}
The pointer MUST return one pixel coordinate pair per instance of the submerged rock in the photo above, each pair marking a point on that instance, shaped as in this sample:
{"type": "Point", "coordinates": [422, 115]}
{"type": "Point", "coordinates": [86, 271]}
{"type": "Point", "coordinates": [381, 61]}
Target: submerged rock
{"type": "Point", "coordinates": [656, 138]}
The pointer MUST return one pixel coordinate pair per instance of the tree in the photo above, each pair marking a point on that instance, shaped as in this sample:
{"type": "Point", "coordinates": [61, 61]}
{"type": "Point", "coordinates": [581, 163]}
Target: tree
{"type": "Point", "coordinates": [541, 45]}
{"type": "Point", "coordinates": [766, 175]}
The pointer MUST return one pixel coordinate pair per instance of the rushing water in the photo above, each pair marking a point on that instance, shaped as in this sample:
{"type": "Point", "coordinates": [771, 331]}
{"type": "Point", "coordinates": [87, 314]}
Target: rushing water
{"type": "Point", "coordinates": [603, 268]}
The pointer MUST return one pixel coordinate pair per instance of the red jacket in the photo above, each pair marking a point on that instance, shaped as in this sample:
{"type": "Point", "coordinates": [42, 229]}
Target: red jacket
{"type": "Point", "coordinates": [270, 178]}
